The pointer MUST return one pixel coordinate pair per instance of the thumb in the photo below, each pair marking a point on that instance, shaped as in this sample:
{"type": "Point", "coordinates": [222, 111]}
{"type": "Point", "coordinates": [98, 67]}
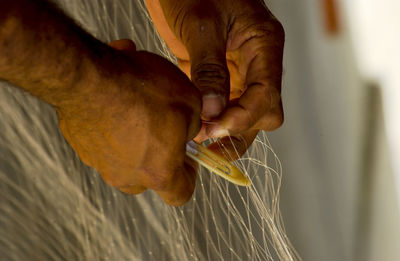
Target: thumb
{"type": "Point", "coordinates": [205, 39]}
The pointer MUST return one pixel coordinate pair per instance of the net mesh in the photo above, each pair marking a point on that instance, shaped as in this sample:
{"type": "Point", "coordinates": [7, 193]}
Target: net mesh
{"type": "Point", "coordinates": [53, 207]}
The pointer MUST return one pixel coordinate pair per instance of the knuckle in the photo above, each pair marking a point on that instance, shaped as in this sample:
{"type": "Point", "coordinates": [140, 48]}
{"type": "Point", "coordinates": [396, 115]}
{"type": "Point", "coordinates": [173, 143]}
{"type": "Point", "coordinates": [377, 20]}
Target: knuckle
{"type": "Point", "coordinates": [109, 181]}
{"type": "Point", "coordinates": [238, 119]}
{"type": "Point", "coordinates": [180, 198]}
{"type": "Point", "coordinates": [179, 201]}
{"type": "Point", "coordinates": [83, 154]}
{"type": "Point", "coordinates": [271, 29]}
{"type": "Point", "coordinates": [112, 181]}
{"type": "Point", "coordinates": [85, 159]}
{"type": "Point", "coordinates": [131, 190]}
{"type": "Point", "coordinates": [116, 181]}
{"type": "Point", "coordinates": [278, 120]}
{"type": "Point", "coordinates": [248, 121]}
{"type": "Point", "coordinates": [275, 120]}
{"type": "Point", "coordinates": [162, 182]}
{"type": "Point", "coordinates": [277, 28]}
{"type": "Point", "coordinates": [272, 119]}
{"type": "Point", "coordinates": [210, 76]}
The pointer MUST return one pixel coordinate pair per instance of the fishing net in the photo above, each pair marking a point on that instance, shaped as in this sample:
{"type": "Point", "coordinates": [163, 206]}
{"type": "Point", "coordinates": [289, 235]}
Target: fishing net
{"type": "Point", "coordinates": [53, 207]}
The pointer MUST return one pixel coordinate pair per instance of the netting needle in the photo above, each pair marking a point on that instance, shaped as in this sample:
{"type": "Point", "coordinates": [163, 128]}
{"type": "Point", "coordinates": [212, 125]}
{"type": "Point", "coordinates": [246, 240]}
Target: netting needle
{"type": "Point", "coordinates": [216, 164]}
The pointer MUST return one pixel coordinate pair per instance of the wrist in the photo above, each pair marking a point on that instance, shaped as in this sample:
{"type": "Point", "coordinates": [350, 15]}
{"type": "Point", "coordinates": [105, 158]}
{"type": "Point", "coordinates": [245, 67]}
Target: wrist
{"type": "Point", "coordinates": [47, 54]}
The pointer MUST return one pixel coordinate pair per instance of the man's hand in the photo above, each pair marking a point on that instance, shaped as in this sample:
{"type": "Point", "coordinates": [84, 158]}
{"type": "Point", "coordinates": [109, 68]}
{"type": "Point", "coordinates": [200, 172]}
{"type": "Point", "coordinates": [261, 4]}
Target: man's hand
{"type": "Point", "coordinates": [134, 123]}
{"type": "Point", "coordinates": [128, 114]}
{"type": "Point", "coordinates": [232, 50]}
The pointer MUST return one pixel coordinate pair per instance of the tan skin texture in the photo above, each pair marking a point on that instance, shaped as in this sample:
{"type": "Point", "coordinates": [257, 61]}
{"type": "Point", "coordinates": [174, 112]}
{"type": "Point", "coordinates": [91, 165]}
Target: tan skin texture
{"type": "Point", "coordinates": [137, 139]}
{"type": "Point", "coordinates": [129, 113]}
{"type": "Point", "coordinates": [232, 48]}
{"type": "Point", "coordinates": [126, 113]}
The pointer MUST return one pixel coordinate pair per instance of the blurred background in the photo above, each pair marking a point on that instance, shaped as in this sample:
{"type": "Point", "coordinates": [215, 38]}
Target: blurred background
{"type": "Point", "coordinates": [340, 142]}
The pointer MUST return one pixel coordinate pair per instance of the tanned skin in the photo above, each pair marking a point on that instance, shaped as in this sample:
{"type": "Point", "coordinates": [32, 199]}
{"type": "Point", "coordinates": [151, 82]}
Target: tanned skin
{"type": "Point", "coordinates": [126, 113]}
{"type": "Point", "coordinates": [232, 51]}
{"type": "Point", "coordinates": [129, 113]}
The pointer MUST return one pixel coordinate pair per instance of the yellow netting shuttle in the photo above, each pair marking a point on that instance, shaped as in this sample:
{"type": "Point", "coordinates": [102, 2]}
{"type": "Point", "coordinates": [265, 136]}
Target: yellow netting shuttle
{"type": "Point", "coordinates": [215, 163]}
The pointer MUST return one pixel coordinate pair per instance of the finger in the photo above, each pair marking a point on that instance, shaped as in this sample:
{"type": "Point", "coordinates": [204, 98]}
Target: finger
{"type": "Point", "coordinates": [260, 106]}
{"type": "Point", "coordinates": [204, 35]}
{"type": "Point", "coordinates": [160, 22]}
{"type": "Point", "coordinates": [181, 186]}
{"type": "Point", "coordinates": [124, 45]}
{"type": "Point", "coordinates": [202, 134]}
{"type": "Point", "coordinates": [233, 147]}
{"type": "Point", "coordinates": [132, 190]}
{"type": "Point", "coordinates": [125, 182]}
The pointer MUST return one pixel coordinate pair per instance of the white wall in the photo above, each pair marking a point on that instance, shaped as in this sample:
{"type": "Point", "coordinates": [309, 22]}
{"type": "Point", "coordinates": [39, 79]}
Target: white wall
{"type": "Point", "coordinates": [376, 37]}
{"type": "Point", "coordinates": [338, 196]}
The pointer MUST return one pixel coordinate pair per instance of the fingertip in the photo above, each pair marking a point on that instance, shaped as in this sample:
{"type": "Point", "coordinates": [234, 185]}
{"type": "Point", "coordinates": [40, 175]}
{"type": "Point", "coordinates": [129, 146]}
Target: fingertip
{"type": "Point", "coordinates": [233, 121]}
{"type": "Point", "coordinates": [213, 105]}
{"type": "Point", "coordinates": [202, 134]}
{"type": "Point", "coordinates": [176, 202]}
{"type": "Point", "coordinates": [272, 120]}
{"type": "Point", "coordinates": [183, 190]}
{"type": "Point", "coordinates": [227, 124]}
{"type": "Point", "coordinates": [276, 121]}
{"type": "Point", "coordinates": [233, 147]}
{"type": "Point", "coordinates": [123, 45]}
{"type": "Point", "coordinates": [132, 190]}
{"type": "Point", "coordinates": [217, 131]}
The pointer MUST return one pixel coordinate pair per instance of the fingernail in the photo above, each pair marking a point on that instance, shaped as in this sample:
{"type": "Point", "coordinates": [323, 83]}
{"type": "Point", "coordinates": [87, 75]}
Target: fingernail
{"type": "Point", "coordinates": [213, 104]}
{"type": "Point", "coordinates": [219, 132]}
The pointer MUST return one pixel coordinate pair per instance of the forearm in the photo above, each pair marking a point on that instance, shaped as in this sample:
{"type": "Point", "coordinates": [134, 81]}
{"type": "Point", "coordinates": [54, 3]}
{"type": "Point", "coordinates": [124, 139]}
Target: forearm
{"type": "Point", "coordinates": [43, 51]}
